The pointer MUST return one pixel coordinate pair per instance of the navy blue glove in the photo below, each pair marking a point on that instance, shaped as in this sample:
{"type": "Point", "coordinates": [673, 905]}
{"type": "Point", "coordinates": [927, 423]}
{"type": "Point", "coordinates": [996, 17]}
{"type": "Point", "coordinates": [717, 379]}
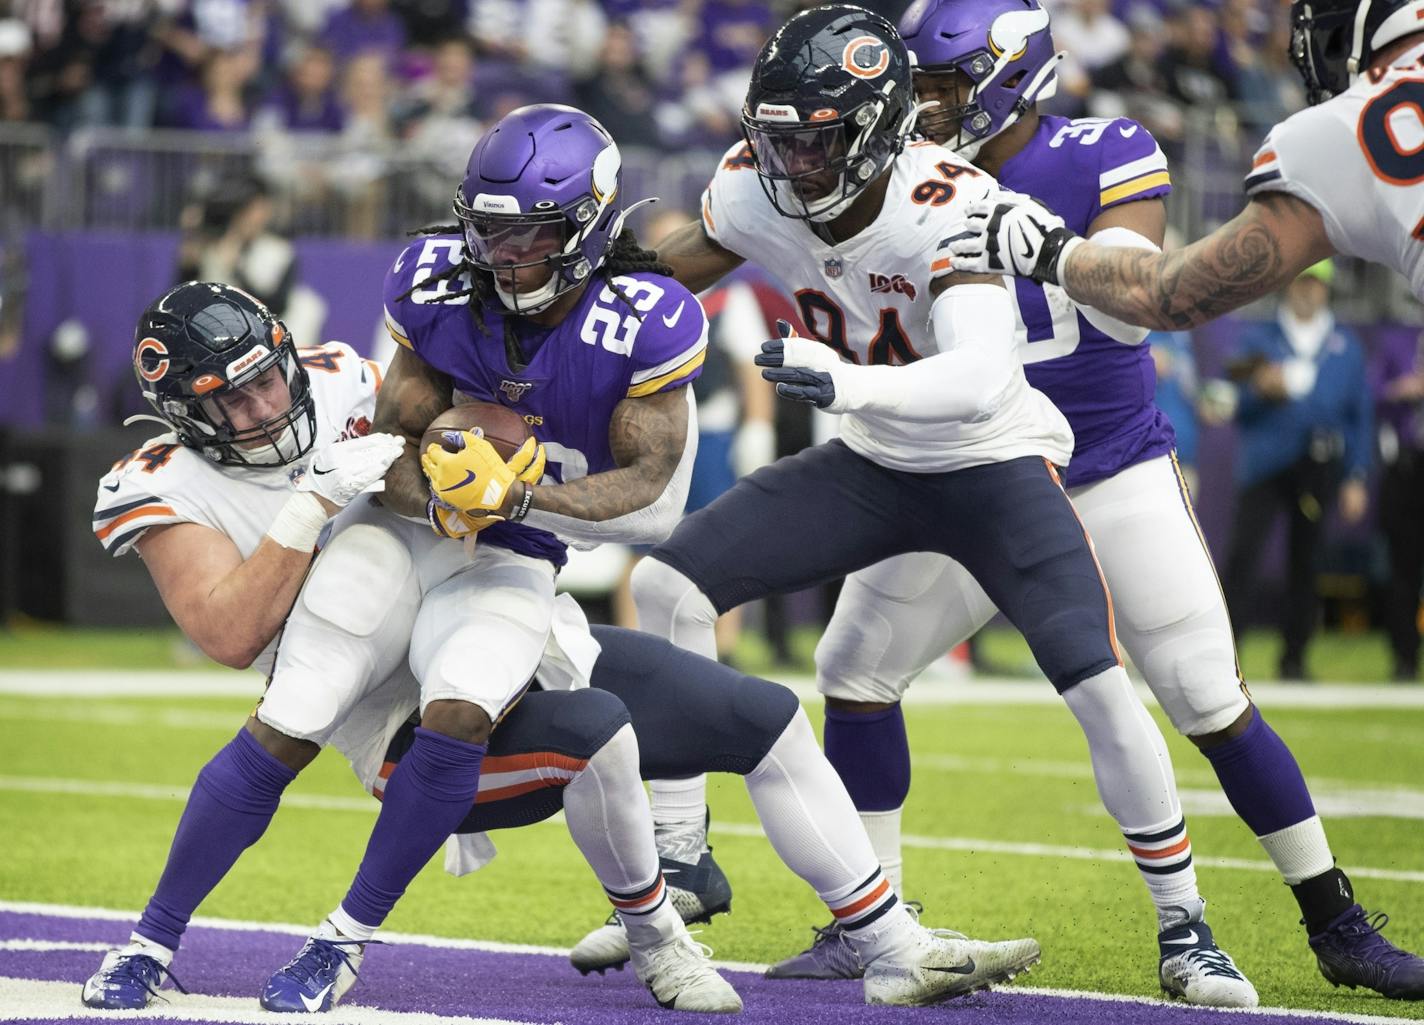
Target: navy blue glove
{"type": "Point", "coordinates": [800, 384]}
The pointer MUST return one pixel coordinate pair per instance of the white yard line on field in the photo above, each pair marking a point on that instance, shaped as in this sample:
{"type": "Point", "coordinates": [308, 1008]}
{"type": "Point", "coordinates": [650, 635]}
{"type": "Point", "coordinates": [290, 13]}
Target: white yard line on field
{"type": "Point", "coordinates": [64, 683]}
{"type": "Point", "coordinates": [141, 791]}
{"type": "Point", "coordinates": [28, 999]}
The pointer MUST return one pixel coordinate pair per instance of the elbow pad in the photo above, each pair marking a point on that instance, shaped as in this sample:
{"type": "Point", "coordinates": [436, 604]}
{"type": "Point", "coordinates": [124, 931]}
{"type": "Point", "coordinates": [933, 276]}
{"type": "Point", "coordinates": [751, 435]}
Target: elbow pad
{"type": "Point", "coordinates": [1118, 330]}
{"type": "Point", "coordinates": [648, 525]}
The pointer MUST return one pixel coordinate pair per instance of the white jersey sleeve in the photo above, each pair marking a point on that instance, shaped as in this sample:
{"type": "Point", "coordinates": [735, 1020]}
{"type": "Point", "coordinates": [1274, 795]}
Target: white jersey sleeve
{"type": "Point", "coordinates": [868, 299]}
{"type": "Point", "coordinates": [164, 483]}
{"type": "Point", "coordinates": [1358, 159]}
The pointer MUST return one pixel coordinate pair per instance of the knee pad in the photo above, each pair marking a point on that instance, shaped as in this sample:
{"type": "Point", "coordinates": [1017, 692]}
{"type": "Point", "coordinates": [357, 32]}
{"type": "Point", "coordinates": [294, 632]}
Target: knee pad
{"type": "Point", "coordinates": [669, 603]}
{"type": "Point", "coordinates": [1193, 676]}
{"type": "Point", "coordinates": [851, 659]}
{"type": "Point", "coordinates": [586, 721]}
{"type": "Point", "coordinates": [357, 579]}
{"type": "Point", "coordinates": [304, 704]}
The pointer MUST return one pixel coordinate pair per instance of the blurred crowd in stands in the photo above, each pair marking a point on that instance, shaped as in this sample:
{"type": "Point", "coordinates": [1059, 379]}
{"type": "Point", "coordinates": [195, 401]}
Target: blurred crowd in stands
{"type": "Point", "coordinates": [370, 108]}
{"type": "Point", "coordinates": [658, 73]}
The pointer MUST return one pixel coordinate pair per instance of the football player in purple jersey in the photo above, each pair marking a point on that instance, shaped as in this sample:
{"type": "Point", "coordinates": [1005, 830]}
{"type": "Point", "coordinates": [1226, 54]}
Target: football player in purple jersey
{"type": "Point", "coordinates": [1099, 182]}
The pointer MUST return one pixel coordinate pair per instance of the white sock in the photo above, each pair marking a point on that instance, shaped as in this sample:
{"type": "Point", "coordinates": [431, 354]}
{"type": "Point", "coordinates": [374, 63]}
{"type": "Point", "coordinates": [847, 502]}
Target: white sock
{"type": "Point", "coordinates": [891, 932]}
{"type": "Point", "coordinates": [807, 814]}
{"type": "Point", "coordinates": [679, 802]}
{"type": "Point", "coordinates": [1300, 852]}
{"type": "Point", "coordinates": [883, 828]}
{"type": "Point", "coordinates": [609, 819]}
{"type": "Point", "coordinates": [157, 951]}
{"type": "Point", "coordinates": [1137, 786]}
{"type": "Point", "coordinates": [340, 925]}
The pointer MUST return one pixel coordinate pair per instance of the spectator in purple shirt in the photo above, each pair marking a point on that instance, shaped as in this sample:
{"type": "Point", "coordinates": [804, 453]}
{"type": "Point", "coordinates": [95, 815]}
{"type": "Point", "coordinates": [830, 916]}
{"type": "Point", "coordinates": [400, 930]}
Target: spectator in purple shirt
{"type": "Point", "coordinates": [306, 101]}
{"type": "Point", "coordinates": [219, 103]}
{"type": "Point", "coordinates": [1397, 381]}
{"type": "Point", "coordinates": [364, 26]}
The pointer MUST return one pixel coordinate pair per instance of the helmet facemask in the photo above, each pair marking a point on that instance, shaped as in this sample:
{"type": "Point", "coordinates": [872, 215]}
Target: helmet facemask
{"type": "Point", "coordinates": [533, 257]}
{"type": "Point", "coordinates": [814, 169]}
{"type": "Point", "coordinates": [225, 419]}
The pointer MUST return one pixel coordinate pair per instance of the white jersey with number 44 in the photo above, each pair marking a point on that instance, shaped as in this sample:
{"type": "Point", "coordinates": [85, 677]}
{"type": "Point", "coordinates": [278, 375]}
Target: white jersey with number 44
{"type": "Point", "coordinates": [1359, 160]}
{"type": "Point", "coordinates": [162, 482]}
{"type": "Point", "coordinates": [869, 299]}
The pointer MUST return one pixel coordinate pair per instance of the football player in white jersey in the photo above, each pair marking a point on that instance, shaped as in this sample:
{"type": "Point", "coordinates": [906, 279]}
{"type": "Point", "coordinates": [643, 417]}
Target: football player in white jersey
{"type": "Point", "coordinates": [1344, 175]}
{"type": "Point", "coordinates": [955, 454]}
{"type": "Point", "coordinates": [1106, 179]}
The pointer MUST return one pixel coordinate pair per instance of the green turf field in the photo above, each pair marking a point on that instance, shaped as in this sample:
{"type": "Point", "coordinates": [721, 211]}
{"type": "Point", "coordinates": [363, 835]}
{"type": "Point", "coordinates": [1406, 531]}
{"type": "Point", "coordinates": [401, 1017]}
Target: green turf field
{"type": "Point", "coordinates": [1333, 656]}
{"type": "Point", "coordinates": [92, 791]}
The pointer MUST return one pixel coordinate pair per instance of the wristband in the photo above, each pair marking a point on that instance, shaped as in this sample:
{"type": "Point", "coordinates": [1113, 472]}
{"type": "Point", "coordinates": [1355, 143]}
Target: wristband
{"type": "Point", "coordinates": [299, 522]}
{"type": "Point", "coordinates": [525, 501]}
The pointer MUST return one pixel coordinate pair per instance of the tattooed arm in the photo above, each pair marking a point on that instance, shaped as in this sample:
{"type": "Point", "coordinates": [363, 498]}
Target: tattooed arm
{"type": "Point", "coordinates": [654, 440]}
{"type": "Point", "coordinates": [1261, 250]}
{"type": "Point", "coordinates": [696, 261]}
{"type": "Point", "coordinates": [413, 395]}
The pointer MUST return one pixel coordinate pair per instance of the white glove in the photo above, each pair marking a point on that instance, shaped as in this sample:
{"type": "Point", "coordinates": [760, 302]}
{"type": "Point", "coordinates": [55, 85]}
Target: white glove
{"type": "Point", "coordinates": [340, 471]}
{"type": "Point", "coordinates": [1016, 235]}
{"type": "Point", "coordinates": [753, 447]}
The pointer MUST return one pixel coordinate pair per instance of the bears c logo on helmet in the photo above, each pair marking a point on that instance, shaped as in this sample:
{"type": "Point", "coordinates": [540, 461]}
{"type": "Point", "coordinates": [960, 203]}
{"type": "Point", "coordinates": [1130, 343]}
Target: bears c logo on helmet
{"type": "Point", "coordinates": [866, 57]}
{"type": "Point", "coordinates": [151, 370]}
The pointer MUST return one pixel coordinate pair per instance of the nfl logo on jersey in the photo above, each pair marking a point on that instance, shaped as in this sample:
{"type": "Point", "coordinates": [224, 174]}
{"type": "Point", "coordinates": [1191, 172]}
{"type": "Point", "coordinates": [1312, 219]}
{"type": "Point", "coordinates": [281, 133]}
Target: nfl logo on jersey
{"type": "Point", "coordinates": [834, 267]}
{"type": "Point", "coordinates": [515, 390]}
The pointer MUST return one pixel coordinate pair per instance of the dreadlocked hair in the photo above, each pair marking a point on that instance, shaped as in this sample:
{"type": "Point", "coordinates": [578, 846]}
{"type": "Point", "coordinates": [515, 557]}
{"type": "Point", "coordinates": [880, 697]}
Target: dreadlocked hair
{"type": "Point", "coordinates": [625, 256]}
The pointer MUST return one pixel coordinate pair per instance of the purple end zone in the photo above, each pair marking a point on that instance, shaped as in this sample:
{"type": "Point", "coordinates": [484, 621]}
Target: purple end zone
{"type": "Point", "coordinates": [540, 988]}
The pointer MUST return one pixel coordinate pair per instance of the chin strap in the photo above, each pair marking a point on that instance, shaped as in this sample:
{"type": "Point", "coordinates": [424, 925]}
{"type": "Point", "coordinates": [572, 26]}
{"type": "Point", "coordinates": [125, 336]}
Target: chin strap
{"type": "Point", "coordinates": [147, 416]}
{"type": "Point", "coordinates": [623, 217]}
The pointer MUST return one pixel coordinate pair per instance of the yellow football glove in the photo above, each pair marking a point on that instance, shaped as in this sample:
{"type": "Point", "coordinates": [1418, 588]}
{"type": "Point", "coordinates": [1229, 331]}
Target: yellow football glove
{"type": "Point", "coordinates": [448, 522]}
{"type": "Point", "coordinates": [476, 479]}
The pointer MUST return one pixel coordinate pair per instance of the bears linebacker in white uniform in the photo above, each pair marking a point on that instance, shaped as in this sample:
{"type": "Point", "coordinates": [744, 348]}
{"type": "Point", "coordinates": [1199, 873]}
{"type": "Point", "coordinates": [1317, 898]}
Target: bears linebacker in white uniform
{"type": "Point", "coordinates": [954, 455]}
{"type": "Point", "coordinates": [1344, 175]}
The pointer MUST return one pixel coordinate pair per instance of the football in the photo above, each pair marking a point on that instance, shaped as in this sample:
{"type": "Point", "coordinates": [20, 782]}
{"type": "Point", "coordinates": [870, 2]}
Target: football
{"type": "Point", "coordinates": [503, 427]}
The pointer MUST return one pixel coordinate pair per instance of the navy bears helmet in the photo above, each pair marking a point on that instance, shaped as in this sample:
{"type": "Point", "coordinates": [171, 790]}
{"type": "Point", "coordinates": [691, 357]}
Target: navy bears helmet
{"type": "Point", "coordinates": [829, 106]}
{"type": "Point", "coordinates": [1332, 41]}
{"type": "Point", "coordinates": [224, 374]}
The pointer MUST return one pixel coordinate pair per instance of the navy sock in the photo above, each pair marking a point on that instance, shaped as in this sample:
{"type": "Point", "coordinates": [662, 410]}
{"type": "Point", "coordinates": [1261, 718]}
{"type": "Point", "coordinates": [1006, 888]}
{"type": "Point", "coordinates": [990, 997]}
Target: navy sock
{"type": "Point", "coordinates": [872, 756]}
{"type": "Point", "coordinates": [1261, 779]}
{"type": "Point", "coordinates": [428, 795]}
{"type": "Point", "coordinates": [235, 796]}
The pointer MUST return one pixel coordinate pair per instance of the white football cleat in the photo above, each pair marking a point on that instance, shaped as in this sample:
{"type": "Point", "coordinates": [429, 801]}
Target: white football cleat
{"type": "Point", "coordinates": [1196, 970]}
{"type": "Point", "coordinates": [941, 964]}
{"type": "Point", "coordinates": [682, 978]}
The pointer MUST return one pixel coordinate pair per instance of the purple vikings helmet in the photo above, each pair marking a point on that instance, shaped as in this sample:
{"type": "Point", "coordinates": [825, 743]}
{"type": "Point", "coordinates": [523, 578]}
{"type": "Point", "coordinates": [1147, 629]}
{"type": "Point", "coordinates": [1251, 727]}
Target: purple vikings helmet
{"type": "Point", "coordinates": [998, 52]}
{"type": "Point", "coordinates": [540, 204]}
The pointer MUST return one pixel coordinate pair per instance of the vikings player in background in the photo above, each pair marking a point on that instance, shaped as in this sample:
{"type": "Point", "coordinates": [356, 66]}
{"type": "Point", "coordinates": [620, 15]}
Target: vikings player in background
{"type": "Point", "coordinates": [1331, 178]}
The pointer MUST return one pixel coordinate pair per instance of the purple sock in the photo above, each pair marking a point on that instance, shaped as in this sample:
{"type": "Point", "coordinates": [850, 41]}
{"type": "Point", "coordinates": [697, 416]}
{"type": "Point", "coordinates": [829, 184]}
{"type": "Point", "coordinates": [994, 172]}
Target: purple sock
{"type": "Point", "coordinates": [1261, 779]}
{"type": "Point", "coordinates": [232, 801]}
{"type": "Point", "coordinates": [872, 756]}
{"type": "Point", "coordinates": [427, 796]}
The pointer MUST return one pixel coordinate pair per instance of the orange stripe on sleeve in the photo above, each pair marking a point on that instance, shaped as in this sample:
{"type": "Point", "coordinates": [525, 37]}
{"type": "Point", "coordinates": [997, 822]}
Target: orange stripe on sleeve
{"type": "Point", "coordinates": [133, 514]}
{"type": "Point", "coordinates": [375, 369]}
